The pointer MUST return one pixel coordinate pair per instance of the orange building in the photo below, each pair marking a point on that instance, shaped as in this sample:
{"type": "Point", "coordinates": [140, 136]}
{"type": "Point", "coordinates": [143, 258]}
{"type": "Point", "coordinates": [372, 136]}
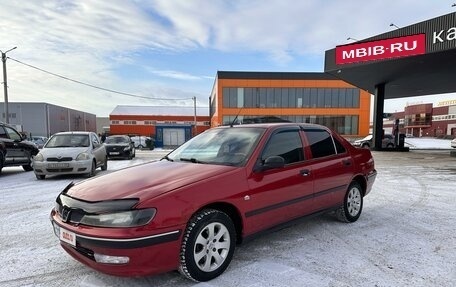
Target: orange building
{"type": "Point", "coordinates": [245, 97]}
{"type": "Point", "coordinates": [168, 126]}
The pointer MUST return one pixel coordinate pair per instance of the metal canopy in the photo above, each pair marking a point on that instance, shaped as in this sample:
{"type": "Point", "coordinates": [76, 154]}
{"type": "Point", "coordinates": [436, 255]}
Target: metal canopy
{"type": "Point", "coordinates": [433, 72]}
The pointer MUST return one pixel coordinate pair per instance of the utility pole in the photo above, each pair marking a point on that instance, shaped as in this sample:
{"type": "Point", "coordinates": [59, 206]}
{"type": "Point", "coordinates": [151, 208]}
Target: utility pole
{"type": "Point", "coordinates": [194, 117]}
{"type": "Point", "coordinates": [5, 84]}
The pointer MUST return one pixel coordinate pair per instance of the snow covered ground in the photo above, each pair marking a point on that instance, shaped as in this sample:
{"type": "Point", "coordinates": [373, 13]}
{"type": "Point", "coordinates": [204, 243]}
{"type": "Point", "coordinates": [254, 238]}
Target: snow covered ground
{"type": "Point", "coordinates": [405, 236]}
{"type": "Point", "coordinates": [427, 143]}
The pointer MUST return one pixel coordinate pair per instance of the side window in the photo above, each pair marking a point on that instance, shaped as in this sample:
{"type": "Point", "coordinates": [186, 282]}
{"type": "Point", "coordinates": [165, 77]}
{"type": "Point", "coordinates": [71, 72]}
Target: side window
{"type": "Point", "coordinates": [321, 143]}
{"type": "Point", "coordinates": [3, 133]}
{"type": "Point", "coordinates": [94, 139]}
{"type": "Point", "coordinates": [286, 144]}
{"type": "Point", "coordinates": [13, 134]}
{"type": "Point", "coordinates": [339, 147]}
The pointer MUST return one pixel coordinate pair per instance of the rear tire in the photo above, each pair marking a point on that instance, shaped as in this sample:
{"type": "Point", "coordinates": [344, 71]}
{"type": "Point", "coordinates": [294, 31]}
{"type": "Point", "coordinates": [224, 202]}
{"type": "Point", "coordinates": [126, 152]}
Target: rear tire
{"type": "Point", "coordinates": [353, 204]}
{"type": "Point", "coordinates": [105, 164]}
{"type": "Point", "coordinates": [27, 167]}
{"type": "Point", "coordinates": [1, 162]}
{"type": "Point", "coordinates": [207, 245]}
{"type": "Point", "coordinates": [92, 170]}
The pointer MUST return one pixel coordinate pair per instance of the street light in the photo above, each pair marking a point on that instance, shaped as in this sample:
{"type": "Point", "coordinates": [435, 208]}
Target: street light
{"type": "Point", "coordinates": [5, 83]}
{"type": "Point", "coordinates": [394, 25]}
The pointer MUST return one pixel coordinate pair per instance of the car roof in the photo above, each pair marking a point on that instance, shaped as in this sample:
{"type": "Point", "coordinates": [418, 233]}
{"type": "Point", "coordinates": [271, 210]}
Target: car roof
{"type": "Point", "coordinates": [275, 125]}
{"type": "Point", "coordinates": [73, 133]}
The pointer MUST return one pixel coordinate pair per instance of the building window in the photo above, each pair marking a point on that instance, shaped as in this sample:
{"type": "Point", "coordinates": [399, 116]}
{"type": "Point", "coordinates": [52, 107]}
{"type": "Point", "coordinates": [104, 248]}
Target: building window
{"type": "Point", "coordinates": [149, 122]}
{"type": "Point", "coordinates": [344, 125]}
{"type": "Point", "coordinates": [115, 122]}
{"type": "Point", "coordinates": [129, 122]}
{"type": "Point", "coordinates": [291, 97]}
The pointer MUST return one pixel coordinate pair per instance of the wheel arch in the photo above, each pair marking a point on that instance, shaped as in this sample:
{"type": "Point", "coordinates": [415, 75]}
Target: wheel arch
{"type": "Point", "coordinates": [231, 211]}
{"type": "Point", "coordinates": [362, 181]}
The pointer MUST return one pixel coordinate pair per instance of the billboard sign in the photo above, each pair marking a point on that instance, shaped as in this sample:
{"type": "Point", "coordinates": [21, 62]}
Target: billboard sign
{"type": "Point", "coordinates": [398, 47]}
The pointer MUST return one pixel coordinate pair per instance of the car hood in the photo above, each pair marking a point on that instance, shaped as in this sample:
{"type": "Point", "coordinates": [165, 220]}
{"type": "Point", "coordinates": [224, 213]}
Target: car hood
{"type": "Point", "coordinates": [63, 151]}
{"type": "Point", "coordinates": [145, 181]}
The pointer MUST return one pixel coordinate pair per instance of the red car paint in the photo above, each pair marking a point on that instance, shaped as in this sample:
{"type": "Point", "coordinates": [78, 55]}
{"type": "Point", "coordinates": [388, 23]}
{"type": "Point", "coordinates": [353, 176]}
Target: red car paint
{"type": "Point", "coordinates": [255, 199]}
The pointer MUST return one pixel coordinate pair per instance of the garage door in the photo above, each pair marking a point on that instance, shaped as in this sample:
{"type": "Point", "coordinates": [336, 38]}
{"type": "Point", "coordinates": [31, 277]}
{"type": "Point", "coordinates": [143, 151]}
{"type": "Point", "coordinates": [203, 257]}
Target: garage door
{"type": "Point", "coordinates": [173, 137]}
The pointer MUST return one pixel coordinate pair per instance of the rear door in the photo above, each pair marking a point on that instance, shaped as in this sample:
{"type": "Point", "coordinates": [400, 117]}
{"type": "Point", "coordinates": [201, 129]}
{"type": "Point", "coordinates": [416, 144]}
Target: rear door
{"type": "Point", "coordinates": [332, 167]}
{"type": "Point", "coordinates": [99, 150]}
{"type": "Point", "coordinates": [277, 195]}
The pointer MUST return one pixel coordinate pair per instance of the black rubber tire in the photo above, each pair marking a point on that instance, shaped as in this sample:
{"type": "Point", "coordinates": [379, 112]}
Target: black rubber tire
{"type": "Point", "coordinates": [105, 164]}
{"type": "Point", "coordinates": [40, 176]}
{"type": "Point", "coordinates": [224, 234]}
{"type": "Point", "coordinates": [27, 167]}
{"type": "Point", "coordinates": [1, 162]}
{"type": "Point", "coordinates": [92, 171]}
{"type": "Point", "coordinates": [351, 209]}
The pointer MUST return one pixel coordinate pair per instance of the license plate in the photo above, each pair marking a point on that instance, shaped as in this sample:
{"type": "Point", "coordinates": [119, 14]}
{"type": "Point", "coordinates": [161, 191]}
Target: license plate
{"type": "Point", "coordinates": [58, 165]}
{"type": "Point", "coordinates": [67, 236]}
{"type": "Point", "coordinates": [114, 153]}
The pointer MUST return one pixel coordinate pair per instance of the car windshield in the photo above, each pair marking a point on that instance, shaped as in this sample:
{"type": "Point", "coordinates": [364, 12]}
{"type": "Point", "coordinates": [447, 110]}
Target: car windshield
{"type": "Point", "coordinates": [116, 140]}
{"type": "Point", "coordinates": [223, 146]}
{"type": "Point", "coordinates": [68, 140]}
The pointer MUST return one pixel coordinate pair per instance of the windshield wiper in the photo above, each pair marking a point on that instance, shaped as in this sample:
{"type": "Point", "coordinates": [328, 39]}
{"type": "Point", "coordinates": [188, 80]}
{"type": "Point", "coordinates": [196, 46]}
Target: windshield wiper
{"type": "Point", "coordinates": [167, 158]}
{"type": "Point", "coordinates": [193, 160]}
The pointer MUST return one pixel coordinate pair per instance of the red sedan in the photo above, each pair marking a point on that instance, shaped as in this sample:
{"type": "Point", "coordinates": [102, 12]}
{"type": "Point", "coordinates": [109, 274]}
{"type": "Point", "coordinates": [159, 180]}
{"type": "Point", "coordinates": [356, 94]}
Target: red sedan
{"type": "Point", "coordinates": [190, 209]}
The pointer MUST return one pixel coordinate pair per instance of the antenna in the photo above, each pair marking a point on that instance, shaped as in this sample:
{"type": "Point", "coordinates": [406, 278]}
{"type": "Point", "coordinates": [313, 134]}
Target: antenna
{"type": "Point", "coordinates": [232, 123]}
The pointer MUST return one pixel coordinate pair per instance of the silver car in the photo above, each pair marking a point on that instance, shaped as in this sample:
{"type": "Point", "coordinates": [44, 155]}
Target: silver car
{"type": "Point", "coordinates": [387, 141]}
{"type": "Point", "coordinates": [70, 153]}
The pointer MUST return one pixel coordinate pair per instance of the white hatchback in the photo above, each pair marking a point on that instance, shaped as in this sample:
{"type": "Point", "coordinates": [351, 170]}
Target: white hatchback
{"type": "Point", "coordinates": [70, 153]}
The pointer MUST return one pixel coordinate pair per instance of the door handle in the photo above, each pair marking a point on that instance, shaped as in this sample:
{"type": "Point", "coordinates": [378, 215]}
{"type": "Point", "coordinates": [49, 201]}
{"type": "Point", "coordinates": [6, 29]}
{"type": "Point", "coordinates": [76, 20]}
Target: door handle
{"type": "Point", "coordinates": [304, 172]}
{"type": "Point", "coordinates": [346, 162]}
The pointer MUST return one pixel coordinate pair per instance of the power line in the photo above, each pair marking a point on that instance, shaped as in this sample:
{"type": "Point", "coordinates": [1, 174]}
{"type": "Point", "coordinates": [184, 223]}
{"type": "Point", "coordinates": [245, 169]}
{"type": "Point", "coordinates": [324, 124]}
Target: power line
{"type": "Point", "coordinates": [95, 87]}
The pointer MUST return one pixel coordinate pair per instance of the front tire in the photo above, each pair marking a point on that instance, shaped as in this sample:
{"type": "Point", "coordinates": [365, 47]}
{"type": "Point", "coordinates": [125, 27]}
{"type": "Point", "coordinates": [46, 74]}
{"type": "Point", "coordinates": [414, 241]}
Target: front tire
{"type": "Point", "coordinates": [353, 204]}
{"type": "Point", "coordinates": [40, 176]}
{"type": "Point", "coordinates": [207, 246]}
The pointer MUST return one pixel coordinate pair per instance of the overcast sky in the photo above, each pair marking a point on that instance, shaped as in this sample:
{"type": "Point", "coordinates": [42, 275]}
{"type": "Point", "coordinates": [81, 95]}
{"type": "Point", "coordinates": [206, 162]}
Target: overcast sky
{"type": "Point", "coordinates": [172, 49]}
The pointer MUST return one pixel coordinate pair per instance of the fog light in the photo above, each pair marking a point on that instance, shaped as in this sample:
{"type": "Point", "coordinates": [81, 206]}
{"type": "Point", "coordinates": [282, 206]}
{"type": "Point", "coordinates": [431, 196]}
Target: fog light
{"type": "Point", "coordinates": [101, 258]}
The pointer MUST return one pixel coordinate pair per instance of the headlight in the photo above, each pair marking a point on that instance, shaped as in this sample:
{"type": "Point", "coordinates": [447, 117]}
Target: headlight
{"type": "Point", "coordinates": [120, 219]}
{"type": "Point", "coordinates": [38, 157]}
{"type": "Point", "coordinates": [83, 156]}
{"type": "Point", "coordinates": [126, 148]}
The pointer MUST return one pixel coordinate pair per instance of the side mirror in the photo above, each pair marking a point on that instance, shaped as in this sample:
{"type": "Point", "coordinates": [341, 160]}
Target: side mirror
{"type": "Point", "coordinates": [272, 162]}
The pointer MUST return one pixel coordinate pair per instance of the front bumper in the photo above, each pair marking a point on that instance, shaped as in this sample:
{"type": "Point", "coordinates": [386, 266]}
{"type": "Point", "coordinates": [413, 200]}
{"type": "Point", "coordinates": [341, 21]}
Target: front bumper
{"type": "Point", "coordinates": [68, 167]}
{"type": "Point", "coordinates": [147, 255]}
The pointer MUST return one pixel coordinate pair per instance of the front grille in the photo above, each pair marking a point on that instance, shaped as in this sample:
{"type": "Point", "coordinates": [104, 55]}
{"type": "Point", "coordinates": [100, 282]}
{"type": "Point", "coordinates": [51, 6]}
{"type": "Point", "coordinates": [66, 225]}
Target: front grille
{"type": "Point", "coordinates": [59, 169]}
{"type": "Point", "coordinates": [59, 159]}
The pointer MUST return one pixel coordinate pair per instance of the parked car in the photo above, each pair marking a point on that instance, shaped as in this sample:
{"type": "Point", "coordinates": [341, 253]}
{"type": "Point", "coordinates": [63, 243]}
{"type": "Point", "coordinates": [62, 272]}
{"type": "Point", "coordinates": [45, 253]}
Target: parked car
{"type": "Point", "coordinates": [226, 185]}
{"type": "Point", "coordinates": [14, 149]}
{"type": "Point", "coordinates": [39, 141]}
{"type": "Point", "coordinates": [70, 153]}
{"type": "Point", "coordinates": [140, 141]}
{"type": "Point", "coordinates": [453, 143]}
{"type": "Point", "coordinates": [120, 146]}
{"type": "Point", "coordinates": [366, 142]}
